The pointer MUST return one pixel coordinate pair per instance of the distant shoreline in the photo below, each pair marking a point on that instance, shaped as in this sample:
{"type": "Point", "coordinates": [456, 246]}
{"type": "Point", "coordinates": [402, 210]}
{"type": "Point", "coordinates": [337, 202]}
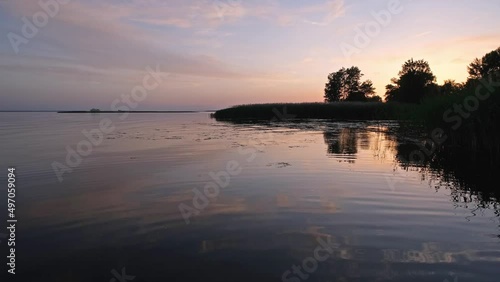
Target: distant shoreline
{"type": "Point", "coordinates": [304, 111]}
{"type": "Point", "coordinates": [111, 112]}
{"type": "Point", "coordinates": [131, 112]}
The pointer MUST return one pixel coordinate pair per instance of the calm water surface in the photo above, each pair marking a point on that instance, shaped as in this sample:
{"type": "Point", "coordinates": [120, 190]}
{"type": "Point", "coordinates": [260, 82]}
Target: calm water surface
{"type": "Point", "coordinates": [294, 185]}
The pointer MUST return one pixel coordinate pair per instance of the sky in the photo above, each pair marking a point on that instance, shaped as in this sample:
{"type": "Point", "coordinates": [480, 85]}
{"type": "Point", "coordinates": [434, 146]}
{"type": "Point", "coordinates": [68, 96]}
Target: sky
{"type": "Point", "coordinates": [213, 54]}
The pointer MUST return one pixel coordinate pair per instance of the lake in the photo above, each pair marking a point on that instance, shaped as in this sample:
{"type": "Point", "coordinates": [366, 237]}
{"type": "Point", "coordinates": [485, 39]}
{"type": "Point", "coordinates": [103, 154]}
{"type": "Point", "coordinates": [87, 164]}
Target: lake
{"type": "Point", "coordinates": [183, 197]}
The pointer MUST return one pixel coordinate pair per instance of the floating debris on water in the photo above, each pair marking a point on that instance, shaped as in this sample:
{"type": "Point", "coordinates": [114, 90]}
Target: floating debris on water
{"type": "Point", "coordinates": [279, 165]}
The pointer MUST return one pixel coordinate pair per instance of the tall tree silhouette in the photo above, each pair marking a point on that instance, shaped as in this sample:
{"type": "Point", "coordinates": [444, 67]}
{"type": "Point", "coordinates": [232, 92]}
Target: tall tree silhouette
{"type": "Point", "coordinates": [487, 65]}
{"type": "Point", "coordinates": [415, 81]}
{"type": "Point", "coordinates": [450, 87]}
{"type": "Point", "coordinates": [345, 85]}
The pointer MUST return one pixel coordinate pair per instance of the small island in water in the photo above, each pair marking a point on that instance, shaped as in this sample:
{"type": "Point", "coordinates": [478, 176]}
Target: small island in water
{"type": "Point", "coordinates": [97, 111]}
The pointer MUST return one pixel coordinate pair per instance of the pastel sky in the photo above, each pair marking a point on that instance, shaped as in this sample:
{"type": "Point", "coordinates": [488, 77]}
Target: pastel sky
{"type": "Point", "coordinates": [214, 54]}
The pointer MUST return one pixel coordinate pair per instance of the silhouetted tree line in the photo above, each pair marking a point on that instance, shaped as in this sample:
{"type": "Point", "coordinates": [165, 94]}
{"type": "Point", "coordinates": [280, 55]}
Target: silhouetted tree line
{"type": "Point", "coordinates": [345, 85]}
{"type": "Point", "coordinates": [415, 82]}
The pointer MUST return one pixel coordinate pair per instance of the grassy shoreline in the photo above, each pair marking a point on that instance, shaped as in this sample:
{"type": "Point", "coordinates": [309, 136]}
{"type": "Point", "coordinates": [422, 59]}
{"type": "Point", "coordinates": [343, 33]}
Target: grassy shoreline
{"type": "Point", "coordinates": [468, 132]}
{"type": "Point", "coordinates": [337, 110]}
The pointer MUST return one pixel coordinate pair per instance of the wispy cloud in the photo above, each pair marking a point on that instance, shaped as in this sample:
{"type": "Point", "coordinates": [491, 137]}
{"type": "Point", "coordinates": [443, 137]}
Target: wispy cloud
{"type": "Point", "coordinates": [103, 36]}
{"type": "Point", "coordinates": [335, 9]}
{"type": "Point", "coordinates": [221, 50]}
{"type": "Point", "coordinates": [320, 14]}
{"type": "Point", "coordinates": [422, 34]}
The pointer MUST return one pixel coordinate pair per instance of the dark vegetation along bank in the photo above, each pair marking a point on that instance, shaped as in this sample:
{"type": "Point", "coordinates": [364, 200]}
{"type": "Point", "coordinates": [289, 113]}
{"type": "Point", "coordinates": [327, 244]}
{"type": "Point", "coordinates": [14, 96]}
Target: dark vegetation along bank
{"type": "Point", "coordinates": [336, 110]}
{"type": "Point", "coordinates": [462, 119]}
